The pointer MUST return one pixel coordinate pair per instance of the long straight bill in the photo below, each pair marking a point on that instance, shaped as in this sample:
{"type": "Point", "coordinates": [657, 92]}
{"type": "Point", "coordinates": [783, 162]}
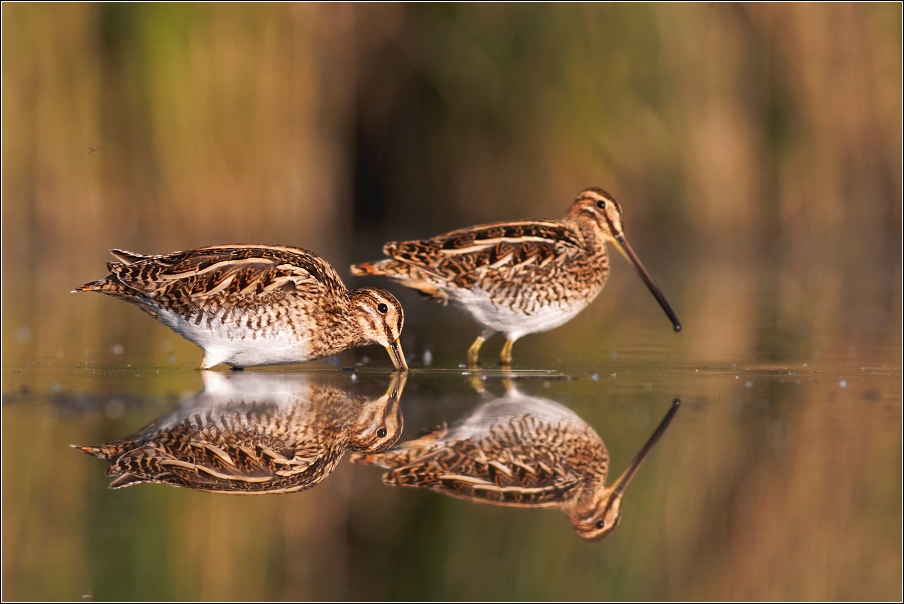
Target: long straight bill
{"type": "Point", "coordinates": [622, 482]}
{"type": "Point", "coordinates": [397, 356]}
{"type": "Point", "coordinates": [396, 385]}
{"type": "Point", "coordinates": [625, 248]}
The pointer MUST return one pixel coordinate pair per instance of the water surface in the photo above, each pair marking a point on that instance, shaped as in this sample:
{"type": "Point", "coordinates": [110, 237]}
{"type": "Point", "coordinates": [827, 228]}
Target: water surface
{"type": "Point", "coordinates": [765, 471]}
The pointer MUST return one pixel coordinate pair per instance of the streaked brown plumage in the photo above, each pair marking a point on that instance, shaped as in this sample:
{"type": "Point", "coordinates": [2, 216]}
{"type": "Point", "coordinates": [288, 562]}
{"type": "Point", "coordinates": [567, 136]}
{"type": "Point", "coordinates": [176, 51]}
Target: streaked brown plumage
{"type": "Point", "coordinates": [249, 305]}
{"type": "Point", "coordinates": [517, 277]}
{"type": "Point", "coordinates": [255, 433]}
{"type": "Point", "coordinates": [519, 451]}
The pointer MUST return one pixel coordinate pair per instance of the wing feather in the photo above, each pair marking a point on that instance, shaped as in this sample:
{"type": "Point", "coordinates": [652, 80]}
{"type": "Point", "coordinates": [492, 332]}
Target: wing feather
{"type": "Point", "coordinates": [236, 275]}
{"type": "Point", "coordinates": [464, 257]}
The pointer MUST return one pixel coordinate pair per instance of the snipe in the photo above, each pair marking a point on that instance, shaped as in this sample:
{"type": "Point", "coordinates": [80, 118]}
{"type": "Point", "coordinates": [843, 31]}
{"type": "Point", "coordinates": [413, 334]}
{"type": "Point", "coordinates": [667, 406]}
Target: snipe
{"type": "Point", "coordinates": [518, 277]}
{"type": "Point", "coordinates": [251, 433]}
{"type": "Point", "coordinates": [248, 305]}
{"type": "Point", "coordinates": [520, 451]}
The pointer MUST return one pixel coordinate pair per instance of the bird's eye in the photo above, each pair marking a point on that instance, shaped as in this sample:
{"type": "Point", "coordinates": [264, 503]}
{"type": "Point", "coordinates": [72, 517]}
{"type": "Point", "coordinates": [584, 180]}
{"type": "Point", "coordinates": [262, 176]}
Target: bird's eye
{"type": "Point", "coordinates": [382, 308]}
{"type": "Point", "coordinates": [601, 204]}
{"type": "Point", "coordinates": [381, 433]}
{"type": "Point", "coordinates": [602, 523]}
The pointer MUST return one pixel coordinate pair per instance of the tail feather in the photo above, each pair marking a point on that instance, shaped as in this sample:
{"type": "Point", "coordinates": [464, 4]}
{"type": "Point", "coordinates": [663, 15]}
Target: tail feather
{"type": "Point", "coordinates": [412, 477]}
{"type": "Point", "coordinates": [410, 276]}
{"type": "Point", "coordinates": [95, 451]}
{"type": "Point", "coordinates": [112, 286]}
{"type": "Point", "coordinates": [128, 257]}
{"type": "Point", "coordinates": [126, 480]}
{"type": "Point", "coordinates": [368, 459]}
{"type": "Point", "coordinates": [92, 286]}
{"type": "Point", "coordinates": [109, 452]}
{"type": "Point", "coordinates": [388, 459]}
{"type": "Point", "coordinates": [371, 268]}
{"type": "Point", "coordinates": [108, 284]}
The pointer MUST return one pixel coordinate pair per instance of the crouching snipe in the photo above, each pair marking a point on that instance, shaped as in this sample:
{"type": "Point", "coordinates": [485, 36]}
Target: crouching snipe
{"type": "Point", "coordinates": [248, 305]}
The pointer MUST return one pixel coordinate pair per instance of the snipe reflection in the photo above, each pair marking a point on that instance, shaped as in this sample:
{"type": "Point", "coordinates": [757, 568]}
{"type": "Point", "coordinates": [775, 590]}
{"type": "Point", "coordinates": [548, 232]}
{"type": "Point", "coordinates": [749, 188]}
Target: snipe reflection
{"type": "Point", "coordinates": [520, 451]}
{"type": "Point", "coordinates": [255, 433]}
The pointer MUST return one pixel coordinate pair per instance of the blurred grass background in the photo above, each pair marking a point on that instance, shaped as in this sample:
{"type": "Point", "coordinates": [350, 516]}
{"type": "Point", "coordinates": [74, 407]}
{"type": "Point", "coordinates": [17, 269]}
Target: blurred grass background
{"type": "Point", "coordinates": [756, 150]}
{"type": "Point", "coordinates": [759, 142]}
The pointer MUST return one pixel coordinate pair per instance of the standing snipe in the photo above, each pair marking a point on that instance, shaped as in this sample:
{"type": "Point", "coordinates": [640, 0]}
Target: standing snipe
{"type": "Point", "coordinates": [251, 305]}
{"type": "Point", "coordinates": [255, 433]}
{"type": "Point", "coordinates": [520, 451]}
{"type": "Point", "coordinates": [518, 277]}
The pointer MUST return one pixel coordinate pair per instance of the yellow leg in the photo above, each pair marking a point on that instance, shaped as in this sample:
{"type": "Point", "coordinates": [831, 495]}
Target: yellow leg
{"type": "Point", "coordinates": [506, 355]}
{"type": "Point", "coordinates": [477, 384]}
{"type": "Point", "coordinates": [474, 351]}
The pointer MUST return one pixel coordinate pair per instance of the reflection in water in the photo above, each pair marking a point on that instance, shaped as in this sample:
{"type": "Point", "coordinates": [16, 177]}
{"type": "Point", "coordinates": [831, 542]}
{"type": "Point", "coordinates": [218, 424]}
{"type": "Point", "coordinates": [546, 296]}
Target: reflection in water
{"type": "Point", "coordinates": [255, 433]}
{"type": "Point", "coordinates": [520, 451]}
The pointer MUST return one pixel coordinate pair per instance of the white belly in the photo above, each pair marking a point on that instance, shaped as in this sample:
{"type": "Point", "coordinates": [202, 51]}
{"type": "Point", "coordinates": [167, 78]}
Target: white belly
{"type": "Point", "coordinates": [232, 342]}
{"type": "Point", "coordinates": [512, 322]}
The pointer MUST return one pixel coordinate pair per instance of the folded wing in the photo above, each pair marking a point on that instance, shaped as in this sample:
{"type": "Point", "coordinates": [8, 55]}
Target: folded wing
{"type": "Point", "coordinates": [239, 274]}
{"type": "Point", "coordinates": [463, 258]}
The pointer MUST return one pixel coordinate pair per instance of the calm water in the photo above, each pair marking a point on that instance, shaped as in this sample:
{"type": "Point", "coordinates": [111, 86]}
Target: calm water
{"type": "Point", "coordinates": [776, 479]}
